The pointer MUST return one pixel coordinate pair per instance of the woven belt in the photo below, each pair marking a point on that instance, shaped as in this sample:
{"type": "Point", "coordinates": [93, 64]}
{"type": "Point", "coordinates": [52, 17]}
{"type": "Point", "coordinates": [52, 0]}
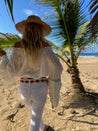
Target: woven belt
{"type": "Point", "coordinates": [31, 80]}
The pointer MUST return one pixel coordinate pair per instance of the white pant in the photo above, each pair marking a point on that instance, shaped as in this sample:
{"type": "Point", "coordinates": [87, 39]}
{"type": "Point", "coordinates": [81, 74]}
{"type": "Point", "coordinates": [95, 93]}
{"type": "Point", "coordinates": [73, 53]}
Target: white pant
{"type": "Point", "coordinates": [34, 96]}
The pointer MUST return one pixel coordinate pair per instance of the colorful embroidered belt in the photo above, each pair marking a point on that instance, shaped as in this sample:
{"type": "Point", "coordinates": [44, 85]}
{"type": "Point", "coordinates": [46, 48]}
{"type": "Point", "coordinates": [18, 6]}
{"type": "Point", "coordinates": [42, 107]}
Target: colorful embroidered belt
{"type": "Point", "coordinates": [31, 80]}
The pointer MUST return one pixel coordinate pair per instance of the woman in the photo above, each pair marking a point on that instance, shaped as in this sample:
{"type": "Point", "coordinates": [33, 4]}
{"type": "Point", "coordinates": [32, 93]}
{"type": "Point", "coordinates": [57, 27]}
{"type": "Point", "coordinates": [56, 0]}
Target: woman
{"type": "Point", "coordinates": [34, 64]}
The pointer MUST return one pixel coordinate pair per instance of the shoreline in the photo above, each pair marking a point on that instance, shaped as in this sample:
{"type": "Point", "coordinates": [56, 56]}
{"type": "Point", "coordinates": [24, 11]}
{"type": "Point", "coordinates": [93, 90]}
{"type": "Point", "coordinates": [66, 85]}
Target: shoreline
{"type": "Point", "coordinates": [88, 60]}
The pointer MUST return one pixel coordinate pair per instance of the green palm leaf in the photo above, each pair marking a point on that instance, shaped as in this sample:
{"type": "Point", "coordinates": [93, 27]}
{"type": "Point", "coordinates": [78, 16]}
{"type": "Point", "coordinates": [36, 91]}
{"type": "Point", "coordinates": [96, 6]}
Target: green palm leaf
{"type": "Point", "coordinates": [9, 5]}
{"type": "Point", "coordinates": [93, 25]}
{"type": "Point", "coordinates": [69, 26]}
{"type": "Point", "coordinates": [66, 22]}
{"type": "Point", "coordinates": [7, 40]}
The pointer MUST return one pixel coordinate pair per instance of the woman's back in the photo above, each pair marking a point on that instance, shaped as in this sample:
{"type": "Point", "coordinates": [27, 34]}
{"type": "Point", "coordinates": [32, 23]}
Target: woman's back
{"type": "Point", "coordinates": [34, 67]}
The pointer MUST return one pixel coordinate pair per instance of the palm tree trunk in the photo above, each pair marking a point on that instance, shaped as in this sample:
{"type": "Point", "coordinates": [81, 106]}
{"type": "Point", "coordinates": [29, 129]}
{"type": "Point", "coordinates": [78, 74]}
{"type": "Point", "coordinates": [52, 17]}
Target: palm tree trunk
{"type": "Point", "coordinates": [77, 85]}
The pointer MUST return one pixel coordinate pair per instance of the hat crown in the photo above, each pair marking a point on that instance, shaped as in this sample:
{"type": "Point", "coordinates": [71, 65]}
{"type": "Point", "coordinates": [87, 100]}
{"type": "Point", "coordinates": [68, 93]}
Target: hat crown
{"type": "Point", "coordinates": [33, 17]}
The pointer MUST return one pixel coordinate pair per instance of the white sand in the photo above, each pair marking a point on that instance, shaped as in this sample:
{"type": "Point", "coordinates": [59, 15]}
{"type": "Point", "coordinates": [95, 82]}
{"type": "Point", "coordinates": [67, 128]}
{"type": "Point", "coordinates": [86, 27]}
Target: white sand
{"type": "Point", "coordinates": [9, 97]}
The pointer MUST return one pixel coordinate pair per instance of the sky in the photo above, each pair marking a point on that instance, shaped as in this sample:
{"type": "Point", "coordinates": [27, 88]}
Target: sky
{"type": "Point", "coordinates": [21, 10]}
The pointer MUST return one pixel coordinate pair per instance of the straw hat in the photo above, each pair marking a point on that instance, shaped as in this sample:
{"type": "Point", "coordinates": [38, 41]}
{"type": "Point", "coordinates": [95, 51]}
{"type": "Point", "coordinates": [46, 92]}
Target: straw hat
{"type": "Point", "coordinates": [33, 19]}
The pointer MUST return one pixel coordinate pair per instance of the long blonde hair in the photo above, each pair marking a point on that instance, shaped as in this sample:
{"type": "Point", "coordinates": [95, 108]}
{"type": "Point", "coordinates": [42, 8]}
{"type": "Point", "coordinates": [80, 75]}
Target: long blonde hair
{"type": "Point", "coordinates": [32, 40]}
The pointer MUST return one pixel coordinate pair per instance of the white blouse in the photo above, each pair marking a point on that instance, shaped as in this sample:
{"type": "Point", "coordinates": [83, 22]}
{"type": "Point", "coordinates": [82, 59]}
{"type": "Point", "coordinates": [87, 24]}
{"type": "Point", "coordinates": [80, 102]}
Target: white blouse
{"type": "Point", "coordinates": [47, 66]}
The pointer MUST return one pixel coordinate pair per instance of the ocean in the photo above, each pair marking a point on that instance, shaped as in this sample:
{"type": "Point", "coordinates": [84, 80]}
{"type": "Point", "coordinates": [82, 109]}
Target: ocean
{"type": "Point", "coordinates": [82, 55]}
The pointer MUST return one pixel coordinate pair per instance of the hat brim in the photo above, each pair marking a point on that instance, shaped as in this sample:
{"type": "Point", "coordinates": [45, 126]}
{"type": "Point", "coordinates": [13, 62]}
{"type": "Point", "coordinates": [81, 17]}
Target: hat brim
{"type": "Point", "coordinates": [21, 26]}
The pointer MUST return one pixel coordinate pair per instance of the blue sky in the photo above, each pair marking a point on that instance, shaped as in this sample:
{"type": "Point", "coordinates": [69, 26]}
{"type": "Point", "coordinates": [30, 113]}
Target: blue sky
{"type": "Point", "coordinates": [21, 10]}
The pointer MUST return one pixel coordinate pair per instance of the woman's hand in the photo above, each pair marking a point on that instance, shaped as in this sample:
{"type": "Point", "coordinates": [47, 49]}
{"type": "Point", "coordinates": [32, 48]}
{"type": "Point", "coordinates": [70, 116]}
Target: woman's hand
{"type": "Point", "coordinates": [2, 52]}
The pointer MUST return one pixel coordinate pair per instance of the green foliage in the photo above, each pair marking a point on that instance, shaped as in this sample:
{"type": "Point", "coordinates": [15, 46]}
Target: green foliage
{"type": "Point", "coordinates": [67, 18]}
{"type": "Point", "coordinates": [69, 25]}
{"type": "Point", "coordinates": [7, 40]}
{"type": "Point", "coordinates": [93, 25]}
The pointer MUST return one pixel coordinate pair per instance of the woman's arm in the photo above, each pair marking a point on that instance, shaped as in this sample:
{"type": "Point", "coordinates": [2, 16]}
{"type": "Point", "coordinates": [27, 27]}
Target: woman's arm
{"type": "Point", "coordinates": [9, 68]}
{"type": "Point", "coordinates": [16, 59]}
{"type": "Point", "coordinates": [54, 81]}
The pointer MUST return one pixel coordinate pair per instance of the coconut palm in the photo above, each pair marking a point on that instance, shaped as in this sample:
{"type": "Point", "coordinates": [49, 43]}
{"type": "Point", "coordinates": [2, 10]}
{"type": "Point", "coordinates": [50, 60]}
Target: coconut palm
{"type": "Point", "coordinates": [69, 25]}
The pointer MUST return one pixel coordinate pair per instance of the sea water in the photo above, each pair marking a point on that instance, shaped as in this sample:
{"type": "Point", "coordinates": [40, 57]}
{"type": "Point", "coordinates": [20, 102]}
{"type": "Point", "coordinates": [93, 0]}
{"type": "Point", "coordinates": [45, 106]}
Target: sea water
{"type": "Point", "coordinates": [82, 55]}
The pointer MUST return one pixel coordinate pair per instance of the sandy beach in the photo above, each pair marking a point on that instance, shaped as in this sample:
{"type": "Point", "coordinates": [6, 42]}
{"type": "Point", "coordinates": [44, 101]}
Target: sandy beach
{"type": "Point", "coordinates": [80, 116]}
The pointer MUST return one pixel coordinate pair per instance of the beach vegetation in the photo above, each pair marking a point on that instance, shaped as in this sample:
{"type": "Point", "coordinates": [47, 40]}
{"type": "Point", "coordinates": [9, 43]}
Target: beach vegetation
{"type": "Point", "coordinates": [70, 29]}
{"type": "Point", "coordinates": [7, 40]}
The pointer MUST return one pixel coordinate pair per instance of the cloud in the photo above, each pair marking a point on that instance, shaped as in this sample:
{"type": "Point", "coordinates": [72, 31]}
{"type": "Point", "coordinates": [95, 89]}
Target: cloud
{"type": "Point", "coordinates": [28, 12]}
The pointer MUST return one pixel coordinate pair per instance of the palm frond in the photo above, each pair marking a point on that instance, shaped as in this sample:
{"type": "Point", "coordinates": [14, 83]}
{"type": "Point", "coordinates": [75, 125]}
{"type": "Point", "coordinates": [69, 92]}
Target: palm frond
{"type": "Point", "coordinates": [7, 40]}
{"type": "Point", "coordinates": [66, 21]}
{"type": "Point", "coordinates": [93, 25]}
{"type": "Point", "coordinates": [93, 4]}
{"type": "Point", "coordinates": [70, 27]}
{"type": "Point", "coordinates": [82, 35]}
{"type": "Point", "coordinates": [9, 7]}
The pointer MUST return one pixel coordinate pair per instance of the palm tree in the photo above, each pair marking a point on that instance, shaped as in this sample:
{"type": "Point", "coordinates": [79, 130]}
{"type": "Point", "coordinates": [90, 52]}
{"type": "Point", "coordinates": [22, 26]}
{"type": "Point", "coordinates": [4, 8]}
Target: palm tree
{"type": "Point", "coordinates": [93, 25]}
{"type": "Point", "coordinates": [69, 25]}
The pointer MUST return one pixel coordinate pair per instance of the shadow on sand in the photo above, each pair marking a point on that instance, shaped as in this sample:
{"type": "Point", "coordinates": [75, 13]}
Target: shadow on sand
{"type": "Point", "coordinates": [86, 102]}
